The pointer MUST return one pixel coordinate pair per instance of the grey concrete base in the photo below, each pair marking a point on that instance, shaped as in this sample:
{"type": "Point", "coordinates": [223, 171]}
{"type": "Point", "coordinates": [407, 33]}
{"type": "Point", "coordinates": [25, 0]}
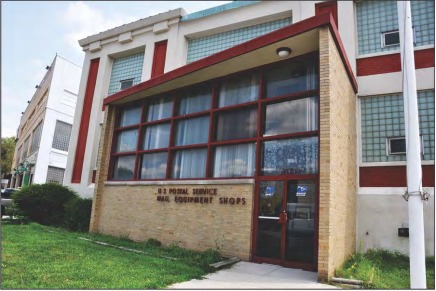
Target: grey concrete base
{"type": "Point", "coordinates": [244, 275]}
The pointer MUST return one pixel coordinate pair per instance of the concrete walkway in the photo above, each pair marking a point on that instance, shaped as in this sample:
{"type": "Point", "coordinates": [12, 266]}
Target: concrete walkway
{"type": "Point", "coordinates": [244, 275]}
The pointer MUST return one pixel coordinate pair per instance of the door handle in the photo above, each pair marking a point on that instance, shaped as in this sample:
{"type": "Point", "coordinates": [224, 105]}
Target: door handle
{"type": "Point", "coordinates": [283, 217]}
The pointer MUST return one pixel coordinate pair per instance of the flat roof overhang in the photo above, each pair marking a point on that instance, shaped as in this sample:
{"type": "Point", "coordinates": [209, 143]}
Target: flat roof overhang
{"type": "Point", "coordinates": [302, 37]}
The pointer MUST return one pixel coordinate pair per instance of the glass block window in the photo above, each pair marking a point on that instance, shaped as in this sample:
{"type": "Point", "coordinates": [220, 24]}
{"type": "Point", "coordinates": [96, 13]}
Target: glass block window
{"type": "Point", "coordinates": [18, 159]}
{"type": "Point", "coordinates": [126, 68]}
{"type": "Point", "coordinates": [377, 17]}
{"type": "Point", "coordinates": [382, 117]}
{"type": "Point", "coordinates": [55, 175]}
{"type": "Point", "coordinates": [36, 138]}
{"type": "Point", "coordinates": [26, 147]}
{"type": "Point", "coordinates": [201, 47]}
{"type": "Point", "coordinates": [61, 138]}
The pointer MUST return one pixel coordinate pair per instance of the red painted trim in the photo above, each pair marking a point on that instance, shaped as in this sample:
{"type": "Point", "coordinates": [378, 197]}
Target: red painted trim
{"type": "Point", "coordinates": [256, 43]}
{"type": "Point", "coordinates": [392, 63]}
{"type": "Point", "coordinates": [84, 122]}
{"type": "Point", "coordinates": [328, 6]}
{"type": "Point", "coordinates": [94, 173]}
{"type": "Point", "coordinates": [159, 57]}
{"type": "Point", "coordinates": [393, 176]}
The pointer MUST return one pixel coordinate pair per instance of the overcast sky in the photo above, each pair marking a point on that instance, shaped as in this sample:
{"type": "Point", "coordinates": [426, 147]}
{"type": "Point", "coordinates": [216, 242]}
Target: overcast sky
{"type": "Point", "coordinates": [32, 32]}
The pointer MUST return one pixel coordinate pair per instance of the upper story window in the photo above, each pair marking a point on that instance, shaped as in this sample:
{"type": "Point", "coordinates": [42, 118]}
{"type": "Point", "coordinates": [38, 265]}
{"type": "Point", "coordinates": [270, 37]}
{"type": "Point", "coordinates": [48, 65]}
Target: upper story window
{"type": "Point", "coordinates": [377, 19]}
{"type": "Point", "coordinates": [124, 84]}
{"type": "Point", "coordinates": [126, 72]}
{"type": "Point", "coordinates": [201, 47]}
{"type": "Point", "coordinates": [383, 129]}
{"type": "Point", "coordinates": [61, 138]}
{"type": "Point", "coordinates": [214, 130]}
{"type": "Point", "coordinates": [36, 138]}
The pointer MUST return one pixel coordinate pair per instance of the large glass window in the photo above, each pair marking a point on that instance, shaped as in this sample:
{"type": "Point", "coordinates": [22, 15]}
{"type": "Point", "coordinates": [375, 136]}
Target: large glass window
{"type": "Point", "coordinates": [290, 156]}
{"type": "Point", "coordinates": [263, 122]}
{"type": "Point", "coordinates": [192, 131]}
{"type": "Point", "coordinates": [291, 78]}
{"type": "Point", "coordinates": [124, 167]}
{"type": "Point", "coordinates": [130, 116]}
{"type": "Point", "coordinates": [154, 166]}
{"type": "Point", "coordinates": [235, 160]}
{"type": "Point", "coordinates": [189, 164]}
{"type": "Point", "coordinates": [292, 116]}
{"type": "Point", "coordinates": [160, 109]}
{"type": "Point", "coordinates": [195, 101]}
{"type": "Point", "coordinates": [237, 124]}
{"type": "Point", "coordinates": [127, 141]}
{"type": "Point", "coordinates": [156, 136]}
{"type": "Point", "coordinates": [239, 90]}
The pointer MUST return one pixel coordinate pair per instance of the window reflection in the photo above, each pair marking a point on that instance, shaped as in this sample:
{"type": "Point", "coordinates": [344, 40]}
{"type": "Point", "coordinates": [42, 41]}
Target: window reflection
{"type": "Point", "coordinates": [124, 167]}
{"type": "Point", "coordinates": [193, 131]}
{"type": "Point", "coordinates": [291, 156]}
{"type": "Point", "coordinates": [237, 124]}
{"type": "Point", "coordinates": [239, 90]}
{"type": "Point", "coordinates": [130, 116]}
{"type": "Point", "coordinates": [156, 136]}
{"type": "Point", "coordinates": [292, 116]}
{"type": "Point", "coordinates": [160, 109]}
{"type": "Point", "coordinates": [154, 166]}
{"type": "Point", "coordinates": [189, 164]}
{"type": "Point", "coordinates": [235, 160]}
{"type": "Point", "coordinates": [127, 140]}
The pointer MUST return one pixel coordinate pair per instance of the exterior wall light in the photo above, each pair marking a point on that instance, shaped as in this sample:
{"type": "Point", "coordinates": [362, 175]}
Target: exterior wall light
{"type": "Point", "coordinates": [283, 52]}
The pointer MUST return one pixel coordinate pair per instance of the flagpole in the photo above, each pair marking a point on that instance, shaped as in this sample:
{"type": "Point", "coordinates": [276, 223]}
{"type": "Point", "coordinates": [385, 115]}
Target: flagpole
{"type": "Point", "coordinates": [413, 150]}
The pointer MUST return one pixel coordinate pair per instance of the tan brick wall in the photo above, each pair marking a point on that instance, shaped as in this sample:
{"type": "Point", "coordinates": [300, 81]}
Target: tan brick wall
{"type": "Point", "coordinates": [337, 209]}
{"type": "Point", "coordinates": [133, 211]}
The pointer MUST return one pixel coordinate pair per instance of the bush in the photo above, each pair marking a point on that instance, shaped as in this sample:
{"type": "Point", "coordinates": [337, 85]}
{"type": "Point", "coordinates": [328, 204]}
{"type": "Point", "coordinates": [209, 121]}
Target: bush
{"type": "Point", "coordinates": [78, 214]}
{"type": "Point", "coordinates": [44, 203]}
{"type": "Point", "coordinates": [153, 243]}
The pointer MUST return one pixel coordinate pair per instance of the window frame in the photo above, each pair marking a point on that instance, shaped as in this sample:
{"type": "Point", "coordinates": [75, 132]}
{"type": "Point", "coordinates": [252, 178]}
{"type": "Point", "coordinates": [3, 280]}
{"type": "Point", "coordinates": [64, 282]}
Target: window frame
{"type": "Point", "coordinates": [126, 80]}
{"type": "Point", "coordinates": [214, 86]}
{"type": "Point", "coordinates": [384, 33]}
{"type": "Point", "coordinates": [390, 138]}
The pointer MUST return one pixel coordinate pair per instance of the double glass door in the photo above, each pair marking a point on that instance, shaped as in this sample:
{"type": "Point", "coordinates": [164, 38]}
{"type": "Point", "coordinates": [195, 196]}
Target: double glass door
{"type": "Point", "coordinates": [285, 223]}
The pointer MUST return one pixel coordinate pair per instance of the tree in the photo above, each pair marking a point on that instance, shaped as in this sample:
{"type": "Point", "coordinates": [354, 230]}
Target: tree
{"type": "Point", "coordinates": [7, 154]}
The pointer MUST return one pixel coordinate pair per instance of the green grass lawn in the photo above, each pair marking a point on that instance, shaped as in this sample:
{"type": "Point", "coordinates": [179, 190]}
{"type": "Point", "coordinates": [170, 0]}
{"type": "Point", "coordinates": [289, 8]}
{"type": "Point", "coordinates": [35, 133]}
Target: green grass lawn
{"type": "Point", "coordinates": [381, 269]}
{"type": "Point", "coordinates": [40, 257]}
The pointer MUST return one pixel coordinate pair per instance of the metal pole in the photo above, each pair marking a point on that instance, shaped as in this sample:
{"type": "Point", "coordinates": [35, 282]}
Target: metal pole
{"type": "Point", "coordinates": [413, 149]}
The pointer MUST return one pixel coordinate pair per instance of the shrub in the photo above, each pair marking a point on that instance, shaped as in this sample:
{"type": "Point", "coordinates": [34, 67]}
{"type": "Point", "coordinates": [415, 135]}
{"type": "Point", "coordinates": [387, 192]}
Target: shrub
{"type": "Point", "coordinates": [151, 242]}
{"type": "Point", "coordinates": [44, 203]}
{"type": "Point", "coordinates": [78, 214]}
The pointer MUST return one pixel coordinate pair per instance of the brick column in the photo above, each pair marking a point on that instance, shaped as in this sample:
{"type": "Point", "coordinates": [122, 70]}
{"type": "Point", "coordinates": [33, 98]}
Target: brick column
{"type": "Point", "coordinates": [337, 173]}
{"type": "Point", "coordinates": [102, 165]}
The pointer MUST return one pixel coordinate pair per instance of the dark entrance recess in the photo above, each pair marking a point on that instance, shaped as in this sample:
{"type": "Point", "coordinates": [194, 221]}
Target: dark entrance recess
{"type": "Point", "coordinates": [286, 223]}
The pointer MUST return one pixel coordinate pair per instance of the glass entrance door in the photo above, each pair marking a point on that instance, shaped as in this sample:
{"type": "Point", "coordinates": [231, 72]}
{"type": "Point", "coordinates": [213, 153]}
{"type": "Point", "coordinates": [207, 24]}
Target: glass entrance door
{"type": "Point", "coordinates": [286, 223]}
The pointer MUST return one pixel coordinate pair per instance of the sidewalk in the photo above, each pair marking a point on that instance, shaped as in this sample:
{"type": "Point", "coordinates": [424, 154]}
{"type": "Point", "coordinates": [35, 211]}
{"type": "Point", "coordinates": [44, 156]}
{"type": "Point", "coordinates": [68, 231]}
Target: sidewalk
{"type": "Point", "coordinates": [244, 275]}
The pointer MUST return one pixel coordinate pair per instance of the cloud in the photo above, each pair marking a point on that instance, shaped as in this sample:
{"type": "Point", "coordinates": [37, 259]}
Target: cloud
{"type": "Point", "coordinates": [81, 20]}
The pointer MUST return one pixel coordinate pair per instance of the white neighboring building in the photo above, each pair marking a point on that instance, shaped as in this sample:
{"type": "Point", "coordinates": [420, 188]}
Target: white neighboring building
{"type": "Point", "coordinates": [45, 127]}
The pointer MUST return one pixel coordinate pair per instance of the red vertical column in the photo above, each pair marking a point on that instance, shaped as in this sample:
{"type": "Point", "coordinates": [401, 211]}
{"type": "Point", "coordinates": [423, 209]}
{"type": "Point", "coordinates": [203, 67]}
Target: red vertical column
{"type": "Point", "coordinates": [328, 6]}
{"type": "Point", "coordinates": [159, 57]}
{"type": "Point", "coordinates": [84, 122]}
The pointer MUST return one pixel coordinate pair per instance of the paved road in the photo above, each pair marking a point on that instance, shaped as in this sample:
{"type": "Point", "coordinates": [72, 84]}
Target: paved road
{"type": "Point", "coordinates": [244, 275]}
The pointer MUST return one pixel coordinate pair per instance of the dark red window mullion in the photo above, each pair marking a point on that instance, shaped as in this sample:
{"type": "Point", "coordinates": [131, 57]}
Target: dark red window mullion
{"type": "Point", "coordinates": [113, 144]}
{"type": "Point", "coordinates": [259, 126]}
{"type": "Point", "coordinates": [171, 141]}
{"type": "Point", "coordinates": [236, 106]}
{"type": "Point", "coordinates": [211, 132]}
{"type": "Point", "coordinates": [118, 129]}
{"type": "Point", "coordinates": [124, 153]}
{"type": "Point", "coordinates": [192, 115]}
{"type": "Point", "coordinates": [290, 135]}
{"type": "Point", "coordinates": [149, 123]}
{"type": "Point", "coordinates": [289, 97]}
{"type": "Point", "coordinates": [234, 141]}
{"type": "Point", "coordinates": [136, 172]}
